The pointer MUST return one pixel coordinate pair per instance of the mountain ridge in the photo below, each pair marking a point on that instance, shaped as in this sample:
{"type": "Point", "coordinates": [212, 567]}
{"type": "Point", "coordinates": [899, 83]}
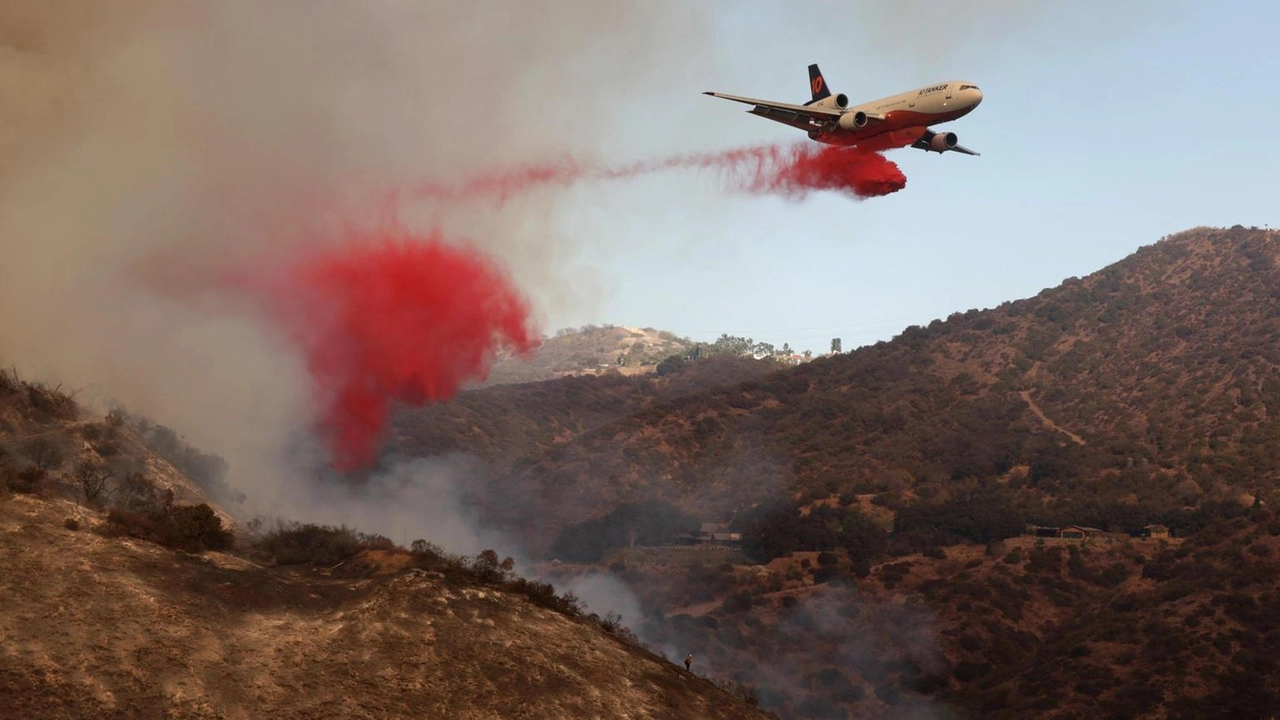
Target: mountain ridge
{"type": "Point", "coordinates": [1110, 359]}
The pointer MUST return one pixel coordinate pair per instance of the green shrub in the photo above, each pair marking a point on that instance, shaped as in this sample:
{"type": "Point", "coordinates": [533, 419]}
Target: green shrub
{"type": "Point", "coordinates": [192, 528]}
{"type": "Point", "coordinates": [28, 479]}
{"type": "Point", "coordinates": [310, 544]}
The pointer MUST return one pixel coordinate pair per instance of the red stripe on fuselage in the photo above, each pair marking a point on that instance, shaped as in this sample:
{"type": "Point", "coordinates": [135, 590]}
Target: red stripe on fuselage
{"type": "Point", "coordinates": [898, 129]}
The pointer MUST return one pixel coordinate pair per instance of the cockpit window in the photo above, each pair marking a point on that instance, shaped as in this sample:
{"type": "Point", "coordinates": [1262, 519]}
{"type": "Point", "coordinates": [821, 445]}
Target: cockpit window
{"type": "Point", "coordinates": [966, 87]}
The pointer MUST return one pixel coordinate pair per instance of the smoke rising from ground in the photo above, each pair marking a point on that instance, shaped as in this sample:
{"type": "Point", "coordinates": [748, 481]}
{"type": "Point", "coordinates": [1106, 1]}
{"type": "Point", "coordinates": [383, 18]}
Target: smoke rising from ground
{"type": "Point", "coordinates": [831, 649]}
{"type": "Point", "coordinates": [436, 499]}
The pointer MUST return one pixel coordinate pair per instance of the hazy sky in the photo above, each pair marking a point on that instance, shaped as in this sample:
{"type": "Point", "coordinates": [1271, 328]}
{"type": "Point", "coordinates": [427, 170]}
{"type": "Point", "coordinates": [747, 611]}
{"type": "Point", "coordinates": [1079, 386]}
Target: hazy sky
{"type": "Point", "coordinates": [1102, 129]}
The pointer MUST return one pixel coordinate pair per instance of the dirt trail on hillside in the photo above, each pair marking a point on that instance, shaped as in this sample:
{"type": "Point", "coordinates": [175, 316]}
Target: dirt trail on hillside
{"type": "Point", "coordinates": [1026, 396]}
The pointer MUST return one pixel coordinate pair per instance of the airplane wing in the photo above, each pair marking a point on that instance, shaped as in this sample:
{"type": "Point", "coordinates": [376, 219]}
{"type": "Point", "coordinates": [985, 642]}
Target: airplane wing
{"type": "Point", "coordinates": [923, 144]}
{"type": "Point", "coordinates": [801, 116]}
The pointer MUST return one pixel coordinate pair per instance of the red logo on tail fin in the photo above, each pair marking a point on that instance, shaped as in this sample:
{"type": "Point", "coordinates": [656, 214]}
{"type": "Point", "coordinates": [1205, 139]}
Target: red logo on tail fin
{"type": "Point", "coordinates": [816, 85]}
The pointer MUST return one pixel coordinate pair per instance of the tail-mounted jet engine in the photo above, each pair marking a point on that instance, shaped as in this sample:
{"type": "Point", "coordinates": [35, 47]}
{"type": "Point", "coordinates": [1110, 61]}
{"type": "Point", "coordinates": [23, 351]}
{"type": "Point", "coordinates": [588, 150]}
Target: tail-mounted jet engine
{"type": "Point", "coordinates": [833, 102]}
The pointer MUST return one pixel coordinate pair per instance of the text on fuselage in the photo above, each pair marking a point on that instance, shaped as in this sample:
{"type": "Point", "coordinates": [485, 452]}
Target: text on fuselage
{"type": "Point", "coordinates": [933, 89]}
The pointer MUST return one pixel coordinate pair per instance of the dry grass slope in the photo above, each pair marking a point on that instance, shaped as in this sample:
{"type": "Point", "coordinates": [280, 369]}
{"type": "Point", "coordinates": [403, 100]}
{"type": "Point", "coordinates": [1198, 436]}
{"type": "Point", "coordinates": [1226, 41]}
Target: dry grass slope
{"type": "Point", "coordinates": [110, 628]}
{"type": "Point", "coordinates": [590, 350]}
{"type": "Point", "coordinates": [97, 621]}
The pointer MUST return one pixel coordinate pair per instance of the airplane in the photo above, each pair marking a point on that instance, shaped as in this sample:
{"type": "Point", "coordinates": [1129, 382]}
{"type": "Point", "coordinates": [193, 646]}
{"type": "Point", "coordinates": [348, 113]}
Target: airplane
{"type": "Point", "coordinates": [890, 122]}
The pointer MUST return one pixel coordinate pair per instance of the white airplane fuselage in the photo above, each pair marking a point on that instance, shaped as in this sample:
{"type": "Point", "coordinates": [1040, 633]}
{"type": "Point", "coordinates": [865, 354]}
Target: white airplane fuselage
{"type": "Point", "coordinates": [896, 121]}
{"type": "Point", "coordinates": [906, 115]}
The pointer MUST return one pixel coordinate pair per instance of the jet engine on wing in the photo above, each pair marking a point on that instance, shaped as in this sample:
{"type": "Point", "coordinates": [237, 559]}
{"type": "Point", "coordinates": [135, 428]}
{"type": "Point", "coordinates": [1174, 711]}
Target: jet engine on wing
{"type": "Point", "coordinates": [853, 120]}
{"type": "Point", "coordinates": [943, 142]}
{"type": "Point", "coordinates": [838, 101]}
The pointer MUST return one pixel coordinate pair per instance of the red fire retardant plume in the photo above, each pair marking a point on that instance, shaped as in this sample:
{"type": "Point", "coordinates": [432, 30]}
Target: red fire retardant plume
{"type": "Point", "coordinates": [791, 171]}
{"type": "Point", "coordinates": [851, 171]}
{"type": "Point", "coordinates": [393, 319]}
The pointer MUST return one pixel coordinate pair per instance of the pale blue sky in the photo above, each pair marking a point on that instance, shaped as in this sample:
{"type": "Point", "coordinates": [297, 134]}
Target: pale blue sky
{"type": "Point", "coordinates": [1102, 129]}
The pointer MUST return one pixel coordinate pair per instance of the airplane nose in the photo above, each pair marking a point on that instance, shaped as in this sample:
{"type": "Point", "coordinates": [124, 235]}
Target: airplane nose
{"type": "Point", "coordinates": [977, 96]}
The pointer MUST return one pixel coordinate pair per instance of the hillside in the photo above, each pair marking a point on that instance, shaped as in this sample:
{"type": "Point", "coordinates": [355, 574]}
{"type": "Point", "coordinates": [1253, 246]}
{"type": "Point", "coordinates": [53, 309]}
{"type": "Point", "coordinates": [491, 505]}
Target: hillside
{"type": "Point", "coordinates": [1024, 628]}
{"type": "Point", "coordinates": [126, 595]}
{"type": "Point", "coordinates": [501, 424]}
{"type": "Point", "coordinates": [112, 628]}
{"type": "Point", "coordinates": [49, 445]}
{"type": "Point", "coordinates": [1111, 400]}
{"type": "Point", "coordinates": [590, 350]}
{"type": "Point", "coordinates": [883, 496]}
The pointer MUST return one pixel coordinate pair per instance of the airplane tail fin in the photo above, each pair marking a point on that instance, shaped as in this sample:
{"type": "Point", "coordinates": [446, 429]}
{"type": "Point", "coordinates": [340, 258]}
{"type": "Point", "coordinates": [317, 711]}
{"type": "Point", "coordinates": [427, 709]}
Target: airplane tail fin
{"type": "Point", "coordinates": [817, 85]}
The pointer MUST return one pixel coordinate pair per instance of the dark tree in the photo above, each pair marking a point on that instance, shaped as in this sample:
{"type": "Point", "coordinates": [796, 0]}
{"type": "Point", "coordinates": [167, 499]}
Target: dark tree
{"type": "Point", "coordinates": [92, 479]}
{"type": "Point", "coordinates": [672, 364]}
{"type": "Point", "coordinates": [778, 528]}
{"type": "Point", "coordinates": [45, 452]}
{"type": "Point", "coordinates": [980, 515]}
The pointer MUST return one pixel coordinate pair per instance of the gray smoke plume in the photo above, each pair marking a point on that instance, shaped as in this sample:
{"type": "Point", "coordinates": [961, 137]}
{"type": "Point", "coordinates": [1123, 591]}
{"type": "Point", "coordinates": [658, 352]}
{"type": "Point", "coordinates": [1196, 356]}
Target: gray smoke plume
{"type": "Point", "coordinates": [145, 144]}
{"type": "Point", "coordinates": [435, 499]}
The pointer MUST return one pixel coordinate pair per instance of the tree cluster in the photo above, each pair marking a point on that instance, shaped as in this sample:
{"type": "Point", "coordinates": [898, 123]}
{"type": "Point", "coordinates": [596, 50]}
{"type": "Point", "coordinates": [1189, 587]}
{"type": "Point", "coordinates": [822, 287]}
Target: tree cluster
{"type": "Point", "coordinates": [779, 528]}
{"type": "Point", "coordinates": [639, 523]}
{"type": "Point", "coordinates": [208, 470]}
{"type": "Point", "coordinates": [192, 528]}
{"type": "Point", "coordinates": [980, 515]}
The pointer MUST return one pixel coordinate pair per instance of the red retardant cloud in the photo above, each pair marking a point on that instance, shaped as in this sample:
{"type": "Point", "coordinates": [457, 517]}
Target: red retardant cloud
{"type": "Point", "coordinates": [392, 318]}
{"type": "Point", "coordinates": [792, 171]}
{"type": "Point", "coordinates": [849, 170]}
